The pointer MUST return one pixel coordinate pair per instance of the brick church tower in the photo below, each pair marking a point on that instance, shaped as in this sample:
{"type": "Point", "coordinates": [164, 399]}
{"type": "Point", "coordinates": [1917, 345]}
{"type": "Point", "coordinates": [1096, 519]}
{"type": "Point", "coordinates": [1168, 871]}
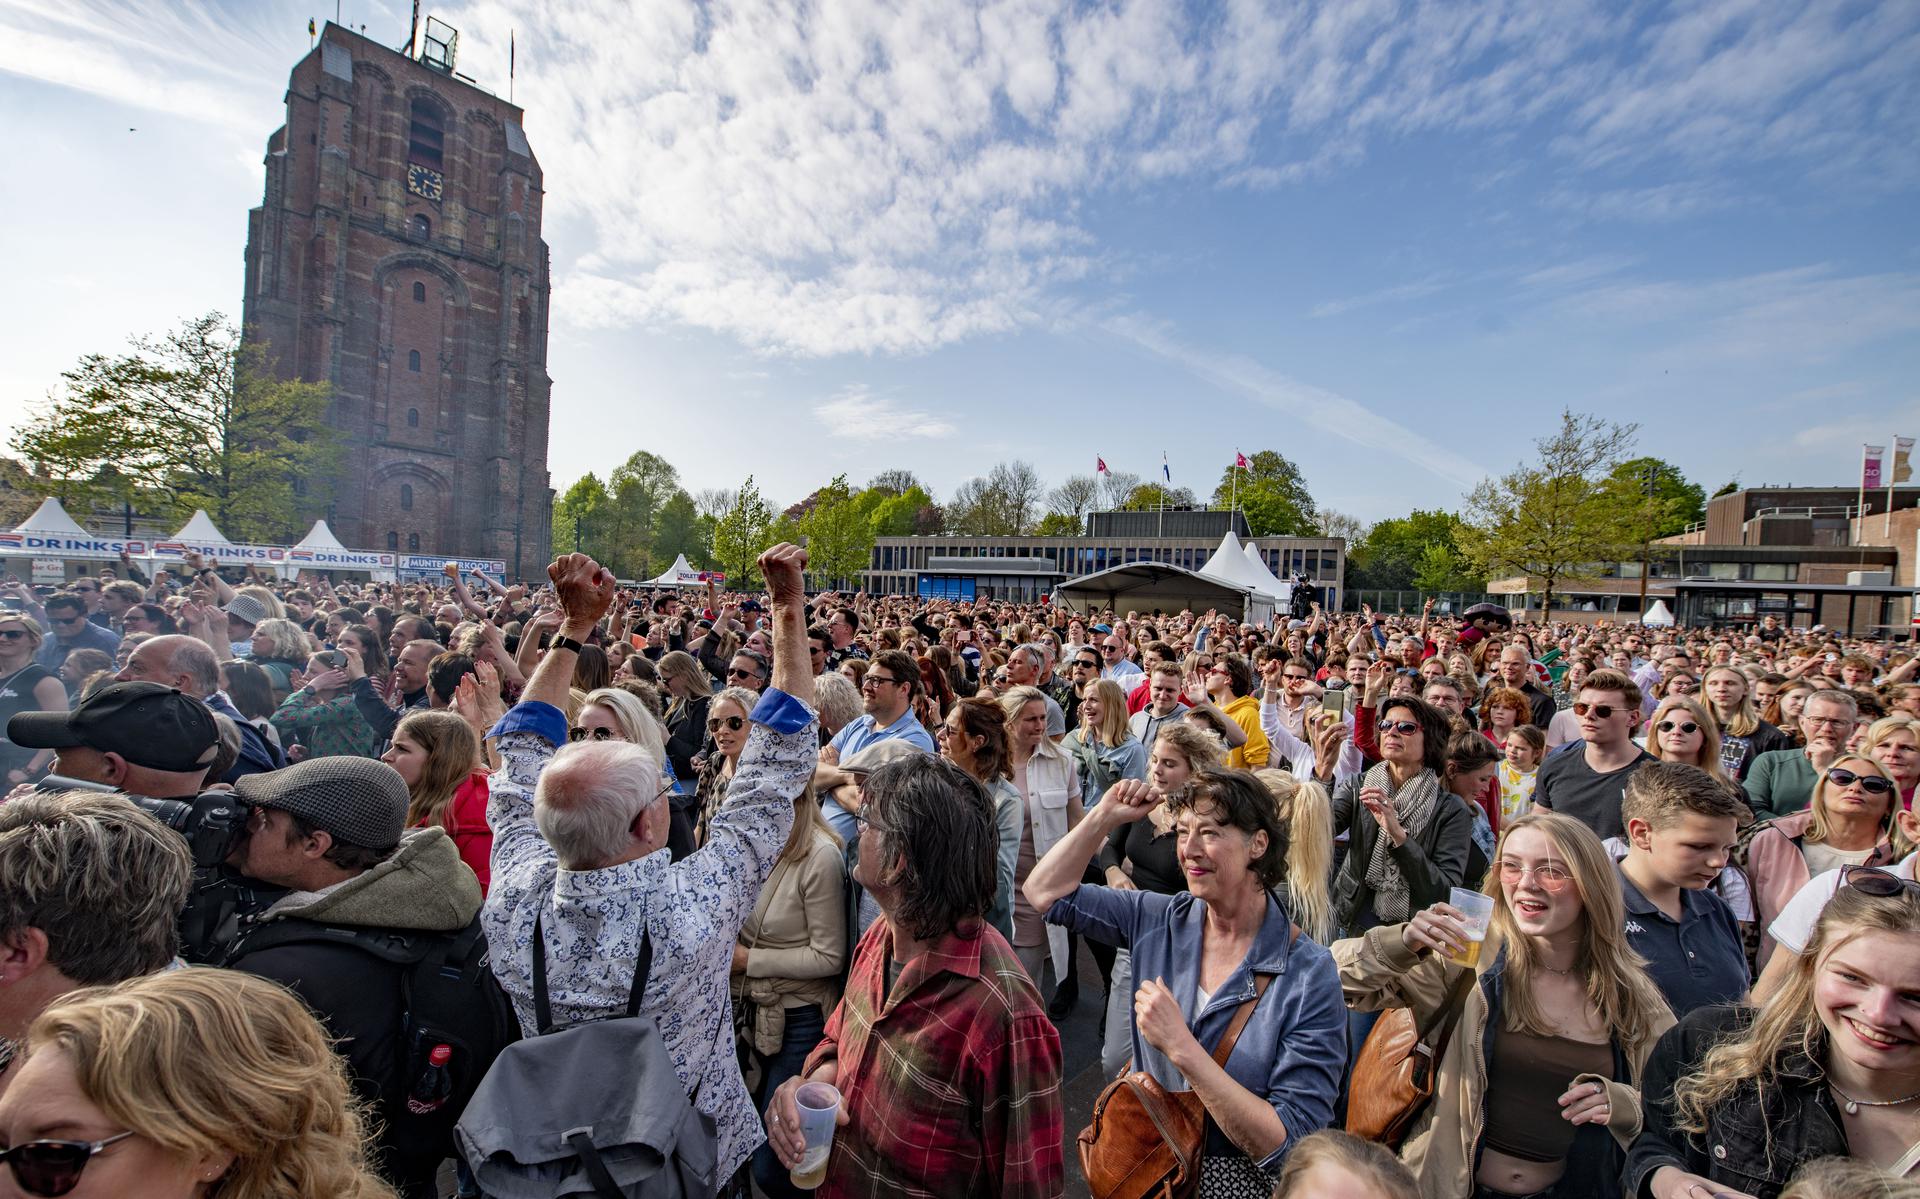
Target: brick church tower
{"type": "Point", "coordinates": [397, 256]}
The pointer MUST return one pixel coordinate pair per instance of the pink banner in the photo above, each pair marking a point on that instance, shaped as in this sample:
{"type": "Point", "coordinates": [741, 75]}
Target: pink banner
{"type": "Point", "coordinates": [1870, 466]}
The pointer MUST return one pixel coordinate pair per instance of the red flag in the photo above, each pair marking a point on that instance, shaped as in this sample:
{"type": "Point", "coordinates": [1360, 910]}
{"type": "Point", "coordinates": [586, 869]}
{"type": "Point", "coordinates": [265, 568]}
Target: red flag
{"type": "Point", "coordinates": [1099, 464]}
{"type": "Point", "coordinates": [1240, 460]}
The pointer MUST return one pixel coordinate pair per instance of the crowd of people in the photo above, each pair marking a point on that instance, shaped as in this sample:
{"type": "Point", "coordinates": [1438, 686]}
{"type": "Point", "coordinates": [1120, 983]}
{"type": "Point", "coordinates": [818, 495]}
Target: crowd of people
{"type": "Point", "coordinates": [325, 889]}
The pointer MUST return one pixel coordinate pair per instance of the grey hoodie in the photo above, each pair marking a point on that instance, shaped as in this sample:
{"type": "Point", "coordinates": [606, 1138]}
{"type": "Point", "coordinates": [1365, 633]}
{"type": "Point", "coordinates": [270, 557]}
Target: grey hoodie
{"type": "Point", "coordinates": [423, 885]}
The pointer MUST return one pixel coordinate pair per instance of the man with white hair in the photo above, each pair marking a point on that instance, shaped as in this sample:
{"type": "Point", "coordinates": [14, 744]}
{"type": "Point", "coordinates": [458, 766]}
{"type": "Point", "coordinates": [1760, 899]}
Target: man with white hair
{"type": "Point", "coordinates": [580, 852]}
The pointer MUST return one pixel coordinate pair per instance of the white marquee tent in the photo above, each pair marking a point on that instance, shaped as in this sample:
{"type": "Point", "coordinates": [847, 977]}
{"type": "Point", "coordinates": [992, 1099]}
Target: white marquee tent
{"type": "Point", "coordinates": [1282, 593]}
{"type": "Point", "coordinates": [680, 574]}
{"type": "Point", "coordinates": [51, 520]}
{"type": "Point", "coordinates": [1230, 565]}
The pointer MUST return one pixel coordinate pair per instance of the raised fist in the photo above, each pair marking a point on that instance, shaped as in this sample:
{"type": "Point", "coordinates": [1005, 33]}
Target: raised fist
{"type": "Point", "coordinates": [784, 568]}
{"type": "Point", "coordinates": [584, 587]}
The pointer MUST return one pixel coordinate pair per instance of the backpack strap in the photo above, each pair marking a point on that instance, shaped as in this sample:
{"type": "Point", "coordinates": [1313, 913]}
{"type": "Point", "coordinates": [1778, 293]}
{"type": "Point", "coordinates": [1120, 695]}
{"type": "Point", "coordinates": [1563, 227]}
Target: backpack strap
{"type": "Point", "coordinates": [542, 1010]}
{"type": "Point", "coordinates": [389, 945]}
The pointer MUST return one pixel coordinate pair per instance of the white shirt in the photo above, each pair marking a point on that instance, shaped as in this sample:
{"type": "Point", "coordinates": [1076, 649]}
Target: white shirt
{"type": "Point", "coordinates": [1793, 927]}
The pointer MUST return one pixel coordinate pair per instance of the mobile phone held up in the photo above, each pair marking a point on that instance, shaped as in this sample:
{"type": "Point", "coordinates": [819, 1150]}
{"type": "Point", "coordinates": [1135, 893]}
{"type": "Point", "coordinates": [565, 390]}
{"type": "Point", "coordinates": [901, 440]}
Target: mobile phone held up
{"type": "Point", "coordinates": [1335, 702]}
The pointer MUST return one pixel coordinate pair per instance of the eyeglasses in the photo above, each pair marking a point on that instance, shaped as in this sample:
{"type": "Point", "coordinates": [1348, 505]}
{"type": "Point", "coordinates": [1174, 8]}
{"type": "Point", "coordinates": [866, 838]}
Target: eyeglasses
{"type": "Point", "coordinates": [13, 634]}
{"type": "Point", "coordinates": [80, 619]}
{"type": "Point", "coordinates": [864, 822]}
{"type": "Point", "coordinates": [1299, 678]}
{"type": "Point", "coordinates": [1216, 670]}
{"type": "Point", "coordinates": [1600, 711]}
{"type": "Point", "coordinates": [734, 672]}
{"type": "Point", "coordinates": [733, 723]}
{"type": "Point", "coordinates": [1872, 784]}
{"type": "Point", "coordinates": [1405, 728]}
{"type": "Point", "coordinates": [53, 1167]}
{"type": "Point", "coordinates": [1827, 722]}
{"type": "Point", "coordinates": [1550, 875]}
{"type": "Point", "coordinates": [1871, 880]}
{"type": "Point", "coordinates": [1685, 726]}
{"type": "Point", "coordinates": [1110, 649]}
{"type": "Point", "coordinates": [1085, 664]}
{"type": "Point", "coordinates": [600, 734]}
{"type": "Point", "coordinates": [877, 680]}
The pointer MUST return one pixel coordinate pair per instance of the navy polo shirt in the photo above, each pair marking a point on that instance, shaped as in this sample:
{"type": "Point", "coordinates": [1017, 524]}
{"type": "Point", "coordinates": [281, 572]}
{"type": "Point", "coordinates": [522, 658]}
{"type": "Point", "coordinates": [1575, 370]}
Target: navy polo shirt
{"type": "Point", "coordinates": [1696, 961]}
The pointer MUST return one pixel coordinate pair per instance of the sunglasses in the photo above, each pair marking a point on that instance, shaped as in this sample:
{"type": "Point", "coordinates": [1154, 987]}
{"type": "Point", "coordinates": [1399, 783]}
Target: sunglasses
{"type": "Point", "coordinates": [53, 1167]}
{"type": "Point", "coordinates": [734, 672]}
{"type": "Point", "coordinates": [1405, 728]}
{"type": "Point", "coordinates": [1872, 784]}
{"type": "Point", "coordinates": [734, 723]}
{"type": "Point", "coordinates": [13, 634]}
{"type": "Point", "coordinates": [1871, 880]}
{"type": "Point", "coordinates": [1685, 726]}
{"type": "Point", "coordinates": [1600, 711]}
{"type": "Point", "coordinates": [579, 734]}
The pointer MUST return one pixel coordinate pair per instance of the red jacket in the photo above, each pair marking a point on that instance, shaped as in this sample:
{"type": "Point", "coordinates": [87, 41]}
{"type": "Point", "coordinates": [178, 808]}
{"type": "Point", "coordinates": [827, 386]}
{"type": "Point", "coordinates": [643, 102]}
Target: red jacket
{"type": "Point", "coordinates": [466, 822]}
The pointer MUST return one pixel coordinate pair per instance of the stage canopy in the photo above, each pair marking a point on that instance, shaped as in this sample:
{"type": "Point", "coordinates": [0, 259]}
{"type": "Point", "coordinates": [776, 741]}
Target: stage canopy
{"type": "Point", "coordinates": [1144, 586]}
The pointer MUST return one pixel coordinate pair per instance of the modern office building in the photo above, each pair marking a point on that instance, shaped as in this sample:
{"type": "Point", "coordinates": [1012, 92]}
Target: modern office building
{"type": "Point", "coordinates": [1808, 555]}
{"type": "Point", "coordinates": [956, 566]}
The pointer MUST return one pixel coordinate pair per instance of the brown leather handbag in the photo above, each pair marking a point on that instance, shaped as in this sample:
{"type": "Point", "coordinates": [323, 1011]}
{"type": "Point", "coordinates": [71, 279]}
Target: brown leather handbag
{"type": "Point", "coordinates": [1392, 1082]}
{"type": "Point", "coordinates": [1145, 1141]}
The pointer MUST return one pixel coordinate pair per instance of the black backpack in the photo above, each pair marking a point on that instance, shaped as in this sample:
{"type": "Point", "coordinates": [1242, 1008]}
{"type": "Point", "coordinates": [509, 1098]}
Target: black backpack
{"type": "Point", "coordinates": [448, 996]}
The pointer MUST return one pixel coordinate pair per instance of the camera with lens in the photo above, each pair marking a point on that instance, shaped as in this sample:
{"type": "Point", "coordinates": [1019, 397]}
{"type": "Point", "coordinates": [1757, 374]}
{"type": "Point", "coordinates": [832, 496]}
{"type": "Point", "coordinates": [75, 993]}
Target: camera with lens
{"type": "Point", "coordinates": [212, 823]}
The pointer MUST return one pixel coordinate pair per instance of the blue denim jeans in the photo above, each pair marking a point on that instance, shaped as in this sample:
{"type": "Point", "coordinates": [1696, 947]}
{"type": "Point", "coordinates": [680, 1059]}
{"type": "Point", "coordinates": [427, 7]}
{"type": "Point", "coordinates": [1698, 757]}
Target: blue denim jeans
{"type": "Point", "coordinates": [804, 1028]}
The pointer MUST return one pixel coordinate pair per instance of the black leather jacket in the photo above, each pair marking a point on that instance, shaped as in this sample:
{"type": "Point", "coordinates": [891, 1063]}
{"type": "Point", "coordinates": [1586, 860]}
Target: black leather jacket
{"type": "Point", "coordinates": [1433, 862]}
{"type": "Point", "coordinates": [1754, 1141]}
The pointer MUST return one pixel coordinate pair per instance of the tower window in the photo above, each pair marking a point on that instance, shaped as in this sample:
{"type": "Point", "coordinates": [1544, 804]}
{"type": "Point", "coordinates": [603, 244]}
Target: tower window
{"type": "Point", "coordinates": [393, 541]}
{"type": "Point", "coordinates": [419, 293]}
{"type": "Point", "coordinates": [413, 418]}
{"type": "Point", "coordinates": [413, 542]}
{"type": "Point", "coordinates": [413, 361]}
{"type": "Point", "coordinates": [426, 136]}
{"type": "Point", "coordinates": [406, 497]}
{"type": "Point", "coordinates": [420, 227]}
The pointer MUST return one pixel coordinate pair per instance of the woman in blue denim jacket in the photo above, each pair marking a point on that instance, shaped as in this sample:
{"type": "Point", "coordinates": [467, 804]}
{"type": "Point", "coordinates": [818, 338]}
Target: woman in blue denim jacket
{"type": "Point", "coordinates": [1195, 959]}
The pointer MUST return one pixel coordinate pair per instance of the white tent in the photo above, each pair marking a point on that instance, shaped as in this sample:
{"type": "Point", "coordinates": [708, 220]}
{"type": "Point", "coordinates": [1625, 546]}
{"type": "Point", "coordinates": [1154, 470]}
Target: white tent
{"type": "Point", "coordinates": [1658, 616]}
{"type": "Point", "coordinates": [1229, 564]}
{"type": "Point", "coordinates": [319, 537]}
{"type": "Point", "coordinates": [680, 574]}
{"type": "Point", "coordinates": [50, 519]}
{"type": "Point", "coordinates": [200, 530]}
{"type": "Point", "coordinates": [1282, 593]}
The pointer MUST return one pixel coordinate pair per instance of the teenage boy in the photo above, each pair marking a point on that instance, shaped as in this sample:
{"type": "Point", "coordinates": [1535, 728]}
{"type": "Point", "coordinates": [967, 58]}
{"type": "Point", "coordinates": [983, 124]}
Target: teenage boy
{"type": "Point", "coordinates": [1588, 785]}
{"type": "Point", "coordinates": [1681, 825]}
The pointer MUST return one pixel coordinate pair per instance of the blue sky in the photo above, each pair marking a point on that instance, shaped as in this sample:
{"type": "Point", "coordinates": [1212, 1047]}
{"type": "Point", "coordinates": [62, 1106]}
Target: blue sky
{"type": "Point", "coordinates": [1391, 240]}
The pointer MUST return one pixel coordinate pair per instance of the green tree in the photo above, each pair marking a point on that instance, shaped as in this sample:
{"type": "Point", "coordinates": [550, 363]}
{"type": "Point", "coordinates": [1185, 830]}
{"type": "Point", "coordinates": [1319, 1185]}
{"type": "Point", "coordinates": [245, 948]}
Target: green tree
{"type": "Point", "coordinates": [1391, 555]}
{"type": "Point", "coordinates": [1059, 524]}
{"type": "Point", "coordinates": [1149, 497]}
{"type": "Point", "coordinates": [740, 535]}
{"type": "Point", "coordinates": [576, 524]}
{"type": "Point", "coordinates": [1074, 498]}
{"type": "Point", "coordinates": [640, 487]}
{"type": "Point", "coordinates": [196, 416]}
{"type": "Point", "coordinates": [900, 515]}
{"type": "Point", "coordinates": [839, 536]}
{"type": "Point", "coordinates": [1002, 504]}
{"type": "Point", "coordinates": [681, 529]}
{"type": "Point", "coordinates": [1676, 502]}
{"type": "Point", "coordinates": [1727, 488]}
{"type": "Point", "coordinates": [895, 482]}
{"type": "Point", "coordinates": [1558, 513]}
{"type": "Point", "coordinates": [1272, 493]}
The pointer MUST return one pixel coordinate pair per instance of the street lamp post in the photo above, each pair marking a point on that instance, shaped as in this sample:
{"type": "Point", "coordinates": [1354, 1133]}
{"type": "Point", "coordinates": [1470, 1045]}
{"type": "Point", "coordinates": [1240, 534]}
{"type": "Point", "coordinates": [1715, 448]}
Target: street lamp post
{"type": "Point", "coordinates": [1652, 477]}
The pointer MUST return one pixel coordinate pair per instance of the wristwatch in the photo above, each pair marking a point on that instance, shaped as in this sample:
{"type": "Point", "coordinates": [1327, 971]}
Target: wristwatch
{"type": "Point", "coordinates": [566, 643]}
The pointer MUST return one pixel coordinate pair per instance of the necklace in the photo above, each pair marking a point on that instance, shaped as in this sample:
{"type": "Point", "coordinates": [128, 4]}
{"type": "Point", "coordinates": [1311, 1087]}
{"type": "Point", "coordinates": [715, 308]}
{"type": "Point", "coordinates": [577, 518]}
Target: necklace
{"type": "Point", "coordinates": [1853, 1106]}
{"type": "Point", "coordinates": [1567, 973]}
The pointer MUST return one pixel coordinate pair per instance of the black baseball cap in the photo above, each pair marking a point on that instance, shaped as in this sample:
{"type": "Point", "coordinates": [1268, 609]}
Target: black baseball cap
{"type": "Point", "coordinates": [160, 728]}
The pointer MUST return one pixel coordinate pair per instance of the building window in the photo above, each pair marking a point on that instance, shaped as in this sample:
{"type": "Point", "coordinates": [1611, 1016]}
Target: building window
{"type": "Point", "coordinates": [413, 361]}
{"type": "Point", "coordinates": [413, 416]}
{"type": "Point", "coordinates": [406, 497]}
{"type": "Point", "coordinates": [413, 542]}
{"type": "Point", "coordinates": [393, 541]}
{"type": "Point", "coordinates": [419, 293]}
{"type": "Point", "coordinates": [426, 136]}
{"type": "Point", "coordinates": [421, 227]}
{"type": "Point", "coordinates": [299, 485]}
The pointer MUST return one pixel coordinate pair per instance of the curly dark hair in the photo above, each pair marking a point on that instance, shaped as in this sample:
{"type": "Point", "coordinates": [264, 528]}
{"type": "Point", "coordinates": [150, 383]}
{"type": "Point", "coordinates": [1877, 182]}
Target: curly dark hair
{"type": "Point", "coordinates": [1239, 800]}
{"type": "Point", "coordinates": [936, 822]}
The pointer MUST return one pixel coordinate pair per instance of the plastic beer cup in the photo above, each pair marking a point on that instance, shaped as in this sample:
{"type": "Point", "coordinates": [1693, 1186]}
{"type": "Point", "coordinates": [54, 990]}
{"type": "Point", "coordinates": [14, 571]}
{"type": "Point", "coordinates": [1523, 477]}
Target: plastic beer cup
{"type": "Point", "coordinates": [1478, 910]}
{"type": "Point", "coordinates": [819, 1104]}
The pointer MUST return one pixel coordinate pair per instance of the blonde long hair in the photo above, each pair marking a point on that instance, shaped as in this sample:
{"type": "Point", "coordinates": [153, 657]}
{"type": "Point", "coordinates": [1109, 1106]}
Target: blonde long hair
{"type": "Point", "coordinates": [1744, 718]}
{"type": "Point", "coordinates": [808, 822]}
{"type": "Point", "coordinates": [1709, 734]}
{"type": "Point", "coordinates": [215, 1063]}
{"type": "Point", "coordinates": [1112, 729]}
{"type": "Point", "coordinates": [1306, 813]}
{"type": "Point", "coordinates": [1788, 1023]}
{"type": "Point", "coordinates": [1821, 827]}
{"type": "Point", "coordinates": [1617, 984]}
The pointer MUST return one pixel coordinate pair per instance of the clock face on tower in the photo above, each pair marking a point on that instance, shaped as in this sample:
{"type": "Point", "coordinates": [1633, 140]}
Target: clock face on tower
{"type": "Point", "coordinates": [424, 182]}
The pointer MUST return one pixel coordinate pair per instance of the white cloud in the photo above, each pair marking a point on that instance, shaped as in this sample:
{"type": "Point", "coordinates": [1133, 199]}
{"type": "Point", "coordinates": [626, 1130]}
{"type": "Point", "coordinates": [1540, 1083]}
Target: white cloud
{"type": "Point", "coordinates": [1327, 411]}
{"type": "Point", "coordinates": [858, 415]}
{"type": "Point", "coordinates": [1400, 294]}
{"type": "Point", "coordinates": [819, 179]}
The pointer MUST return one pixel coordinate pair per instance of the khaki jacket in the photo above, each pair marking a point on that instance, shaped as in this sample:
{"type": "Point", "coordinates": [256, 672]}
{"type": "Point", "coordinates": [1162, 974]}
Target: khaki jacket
{"type": "Point", "coordinates": [1378, 972]}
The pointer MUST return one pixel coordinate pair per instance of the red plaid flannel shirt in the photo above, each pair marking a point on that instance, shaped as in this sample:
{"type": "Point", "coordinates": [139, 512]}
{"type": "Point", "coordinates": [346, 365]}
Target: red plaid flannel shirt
{"type": "Point", "coordinates": [952, 1082]}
